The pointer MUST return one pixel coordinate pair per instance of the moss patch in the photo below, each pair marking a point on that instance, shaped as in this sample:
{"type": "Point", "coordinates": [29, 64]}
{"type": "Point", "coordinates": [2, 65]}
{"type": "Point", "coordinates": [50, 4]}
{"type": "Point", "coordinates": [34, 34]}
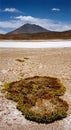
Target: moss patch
{"type": "Point", "coordinates": [19, 60]}
{"type": "Point", "coordinates": [22, 60]}
{"type": "Point", "coordinates": [26, 58]}
{"type": "Point", "coordinates": [38, 98]}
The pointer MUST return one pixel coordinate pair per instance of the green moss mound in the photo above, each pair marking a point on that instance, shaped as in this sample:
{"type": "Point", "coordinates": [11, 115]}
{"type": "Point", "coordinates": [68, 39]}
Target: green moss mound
{"type": "Point", "coordinates": [38, 98]}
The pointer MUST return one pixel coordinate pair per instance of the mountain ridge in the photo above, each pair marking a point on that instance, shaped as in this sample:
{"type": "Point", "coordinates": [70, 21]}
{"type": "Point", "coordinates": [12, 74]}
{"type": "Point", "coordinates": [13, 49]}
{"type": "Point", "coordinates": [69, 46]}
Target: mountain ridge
{"type": "Point", "coordinates": [29, 28]}
{"type": "Point", "coordinates": [43, 34]}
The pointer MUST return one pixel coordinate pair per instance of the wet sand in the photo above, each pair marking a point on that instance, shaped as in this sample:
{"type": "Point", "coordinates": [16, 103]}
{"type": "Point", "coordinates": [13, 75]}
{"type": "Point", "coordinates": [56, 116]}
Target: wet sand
{"type": "Point", "coordinates": [49, 62]}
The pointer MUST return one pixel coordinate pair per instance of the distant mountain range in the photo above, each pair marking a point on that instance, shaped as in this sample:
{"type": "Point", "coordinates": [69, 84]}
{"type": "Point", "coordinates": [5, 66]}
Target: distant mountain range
{"type": "Point", "coordinates": [34, 32]}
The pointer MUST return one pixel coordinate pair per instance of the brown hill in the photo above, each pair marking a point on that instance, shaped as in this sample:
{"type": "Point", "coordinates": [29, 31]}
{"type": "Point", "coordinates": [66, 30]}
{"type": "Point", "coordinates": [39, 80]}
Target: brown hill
{"type": "Point", "coordinates": [37, 36]}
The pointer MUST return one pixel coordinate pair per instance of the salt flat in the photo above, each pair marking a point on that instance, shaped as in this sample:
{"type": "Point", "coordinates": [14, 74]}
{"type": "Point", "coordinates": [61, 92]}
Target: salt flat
{"type": "Point", "coordinates": [54, 62]}
{"type": "Point", "coordinates": [36, 44]}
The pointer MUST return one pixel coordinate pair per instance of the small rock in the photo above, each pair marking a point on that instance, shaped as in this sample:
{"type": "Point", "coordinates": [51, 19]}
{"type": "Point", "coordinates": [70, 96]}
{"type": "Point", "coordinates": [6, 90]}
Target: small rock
{"type": "Point", "coordinates": [4, 71]}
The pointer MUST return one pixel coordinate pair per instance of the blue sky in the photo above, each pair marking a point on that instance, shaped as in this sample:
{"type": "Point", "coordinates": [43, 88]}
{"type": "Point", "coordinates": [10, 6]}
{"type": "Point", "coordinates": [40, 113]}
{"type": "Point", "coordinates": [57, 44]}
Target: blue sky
{"type": "Point", "coordinates": [50, 14]}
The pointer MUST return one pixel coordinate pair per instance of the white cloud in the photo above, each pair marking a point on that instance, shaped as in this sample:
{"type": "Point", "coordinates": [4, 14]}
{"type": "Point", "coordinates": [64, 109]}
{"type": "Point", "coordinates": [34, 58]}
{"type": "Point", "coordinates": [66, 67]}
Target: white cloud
{"type": "Point", "coordinates": [11, 10]}
{"type": "Point", "coordinates": [10, 24]}
{"type": "Point", "coordinates": [56, 9]}
{"type": "Point", "coordinates": [46, 23]}
{"type": "Point", "coordinates": [26, 18]}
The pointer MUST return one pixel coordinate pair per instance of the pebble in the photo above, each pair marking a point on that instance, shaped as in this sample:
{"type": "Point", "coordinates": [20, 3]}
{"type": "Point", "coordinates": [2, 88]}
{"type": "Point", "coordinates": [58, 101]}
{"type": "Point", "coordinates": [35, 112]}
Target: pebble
{"type": "Point", "coordinates": [4, 71]}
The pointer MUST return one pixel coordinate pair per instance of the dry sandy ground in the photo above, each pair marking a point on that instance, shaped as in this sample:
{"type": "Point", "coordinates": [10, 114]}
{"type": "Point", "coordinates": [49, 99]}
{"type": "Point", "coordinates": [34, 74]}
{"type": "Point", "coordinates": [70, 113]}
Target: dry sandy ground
{"type": "Point", "coordinates": [49, 62]}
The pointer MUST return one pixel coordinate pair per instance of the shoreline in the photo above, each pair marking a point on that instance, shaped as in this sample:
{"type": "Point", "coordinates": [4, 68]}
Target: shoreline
{"type": "Point", "coordinates": [48, 40]}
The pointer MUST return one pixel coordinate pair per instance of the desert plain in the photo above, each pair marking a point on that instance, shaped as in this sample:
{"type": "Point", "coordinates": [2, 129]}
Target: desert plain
{"type": "Point", "coordinates": [17, 63]}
